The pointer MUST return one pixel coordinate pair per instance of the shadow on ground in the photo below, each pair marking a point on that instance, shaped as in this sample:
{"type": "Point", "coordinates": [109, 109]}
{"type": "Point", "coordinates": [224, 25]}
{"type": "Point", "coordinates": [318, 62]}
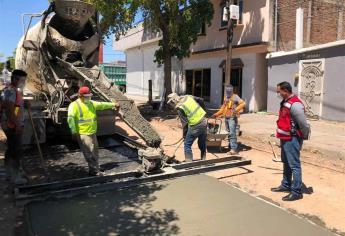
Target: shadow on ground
{"type": "Point", "coordinates": [123, 212]}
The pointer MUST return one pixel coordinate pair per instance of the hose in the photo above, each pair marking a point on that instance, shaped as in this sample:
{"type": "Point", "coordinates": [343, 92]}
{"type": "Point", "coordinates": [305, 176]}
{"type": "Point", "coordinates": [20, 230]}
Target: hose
{"type": "Point", "coordinates": [173, 144]}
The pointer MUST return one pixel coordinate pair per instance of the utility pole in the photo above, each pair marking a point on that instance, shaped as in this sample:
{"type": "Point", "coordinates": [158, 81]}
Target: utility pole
{"type": "Point", "coordinates": [229, 38]}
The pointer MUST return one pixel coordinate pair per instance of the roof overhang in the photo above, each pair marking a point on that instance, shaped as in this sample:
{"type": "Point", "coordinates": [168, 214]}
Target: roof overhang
{"type": "Point", "coordinates": [257, 47]}
{"type": "Point", "coordinates": [304, 50]}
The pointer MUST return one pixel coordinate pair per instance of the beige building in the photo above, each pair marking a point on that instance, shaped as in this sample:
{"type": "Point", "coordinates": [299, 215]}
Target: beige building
{"type": "Point", "coordinates": [202, 74]}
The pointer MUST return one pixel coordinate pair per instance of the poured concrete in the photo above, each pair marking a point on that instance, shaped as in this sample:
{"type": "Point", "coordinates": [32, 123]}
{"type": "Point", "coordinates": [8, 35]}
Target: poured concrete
{"type": "Point", "coordinates": [194, 205]}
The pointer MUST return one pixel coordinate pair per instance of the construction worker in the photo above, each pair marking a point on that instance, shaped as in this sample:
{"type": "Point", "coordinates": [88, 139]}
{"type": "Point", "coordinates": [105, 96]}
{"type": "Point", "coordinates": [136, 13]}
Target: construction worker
{"type": "Point", "coordinates": [12, 123]}
{"type": "Point", "coordinates": [292, 129]}
{"type": "Point", "coordinates": [193, 120]}
{"type": "Point", "coordinates": [6, 74]}
{"type": "Point", "coordinates": [82, 120]}
{"type": "Point", "coordinates": [231, 108]}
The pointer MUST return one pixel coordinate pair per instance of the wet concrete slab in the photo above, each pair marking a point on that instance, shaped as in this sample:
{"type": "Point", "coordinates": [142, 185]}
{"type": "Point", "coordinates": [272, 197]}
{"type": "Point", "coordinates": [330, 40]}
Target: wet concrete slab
{"type": "Point", "coordinates": [65, 162]}
{"type": "Point", "coordinates": [193, 205]}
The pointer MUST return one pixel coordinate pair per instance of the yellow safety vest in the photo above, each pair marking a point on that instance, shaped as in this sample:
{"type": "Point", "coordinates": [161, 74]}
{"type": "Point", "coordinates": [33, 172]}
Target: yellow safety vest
{"type": "Point", "coordinates": [86, 120]}
{"type": "Point", "coordinates": [192, 110]}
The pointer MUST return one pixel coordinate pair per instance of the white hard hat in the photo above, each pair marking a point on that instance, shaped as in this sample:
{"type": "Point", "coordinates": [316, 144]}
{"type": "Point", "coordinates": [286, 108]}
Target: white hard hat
{"type": "Point", "coordinates": [173, 99]}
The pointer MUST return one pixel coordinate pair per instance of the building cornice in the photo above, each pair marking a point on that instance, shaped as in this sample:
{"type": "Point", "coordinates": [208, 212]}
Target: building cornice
{"type": "Point", "coordinates": [240, 46]}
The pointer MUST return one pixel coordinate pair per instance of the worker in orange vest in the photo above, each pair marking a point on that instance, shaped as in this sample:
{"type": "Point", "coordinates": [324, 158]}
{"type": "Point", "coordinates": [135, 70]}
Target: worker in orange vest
{"type": "Point", "coordinates": [230, 110]}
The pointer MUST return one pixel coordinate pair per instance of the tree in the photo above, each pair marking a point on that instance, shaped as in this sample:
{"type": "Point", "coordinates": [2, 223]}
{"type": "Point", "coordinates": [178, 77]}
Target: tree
{"type": "Point", "coordinates": [2, 64]}
{"type": "Point", "coordinates": [9, 63]}
{"type": "Point", "coordinates": [116, 16]}
{"type": "Point", "coordinates": [180, 22]}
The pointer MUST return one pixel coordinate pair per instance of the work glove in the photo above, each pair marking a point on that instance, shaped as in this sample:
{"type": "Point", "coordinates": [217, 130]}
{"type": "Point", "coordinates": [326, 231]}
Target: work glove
{"type": "Point", "coordinates": [117, 106]}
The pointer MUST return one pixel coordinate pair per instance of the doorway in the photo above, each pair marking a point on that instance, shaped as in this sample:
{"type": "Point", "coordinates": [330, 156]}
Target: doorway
{"type": "Point", "coordinates": [236, 81]}
{"type": "Point", "coordinates": [198, 83]}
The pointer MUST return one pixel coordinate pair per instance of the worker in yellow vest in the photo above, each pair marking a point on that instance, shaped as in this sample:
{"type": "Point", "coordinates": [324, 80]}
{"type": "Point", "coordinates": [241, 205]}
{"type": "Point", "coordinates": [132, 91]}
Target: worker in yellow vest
{"type": "Point", "coordinates": [193, 120]}
{"type": "Point", "coordinates": [82, 120]}
{"type": "Point", "coordinates": [230, 110]}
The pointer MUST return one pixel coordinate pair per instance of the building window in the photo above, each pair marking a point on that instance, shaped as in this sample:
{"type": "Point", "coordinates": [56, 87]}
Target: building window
{"type": "Point", "coordinates": [239, 3]}
{"type": "Point", "coordinates": [198, 83]}
{"type": "Point", "coordinates": [202, 30]}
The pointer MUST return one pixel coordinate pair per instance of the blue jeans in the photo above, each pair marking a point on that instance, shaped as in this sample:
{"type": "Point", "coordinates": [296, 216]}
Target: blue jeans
{"type": "Point", "coordinates": [195, 132]}
{"type": "Point", "coordinates": [231, 124]}
{"type": "Point", "coordinates": [290, 154]}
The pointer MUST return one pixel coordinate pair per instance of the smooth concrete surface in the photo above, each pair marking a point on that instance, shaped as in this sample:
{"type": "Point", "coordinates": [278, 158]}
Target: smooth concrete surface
{"type": "Point", "coordinates": [194, 205]}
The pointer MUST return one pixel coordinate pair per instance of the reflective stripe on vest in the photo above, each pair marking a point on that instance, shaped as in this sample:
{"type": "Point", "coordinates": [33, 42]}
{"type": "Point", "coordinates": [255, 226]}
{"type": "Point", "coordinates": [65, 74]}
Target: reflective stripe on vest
{"type": "Point", "coordinates": [280, 131]}
{"type": "Point", "coordinates": [287, 105]}
{"type": "Point", "coordinates": [17, 104]}
{"type": "Point", "coordinates": [81, 115]}
{"type": "Point", "coordinates": [192, 110]}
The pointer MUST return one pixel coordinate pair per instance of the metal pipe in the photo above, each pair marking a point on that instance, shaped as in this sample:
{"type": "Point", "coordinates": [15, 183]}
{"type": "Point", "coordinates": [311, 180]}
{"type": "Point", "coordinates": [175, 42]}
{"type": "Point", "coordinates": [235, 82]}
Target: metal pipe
{"type": "Point", "coordinates": [29, 14]}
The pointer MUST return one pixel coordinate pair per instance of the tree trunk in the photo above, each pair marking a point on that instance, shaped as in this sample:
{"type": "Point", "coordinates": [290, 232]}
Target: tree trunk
{"type": "Point", "coordinates": [167, 65]}
{"type": "Point", "coordinates": [167, 73]}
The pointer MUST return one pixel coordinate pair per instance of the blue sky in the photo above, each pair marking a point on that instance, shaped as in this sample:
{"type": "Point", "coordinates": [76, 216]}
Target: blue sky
{"type": "Point", "coordinates": [11, 29]}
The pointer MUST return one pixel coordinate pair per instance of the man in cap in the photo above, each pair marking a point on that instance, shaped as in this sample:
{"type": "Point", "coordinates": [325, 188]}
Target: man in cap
{"type": "Point", "coordinates": [82, 120]}
{"type": "Point", "coordinates": [232, 105]}
{"type": "Point", "coordinates": [12, 123]}
{"type": "Point", "coordinates": [193, 120]}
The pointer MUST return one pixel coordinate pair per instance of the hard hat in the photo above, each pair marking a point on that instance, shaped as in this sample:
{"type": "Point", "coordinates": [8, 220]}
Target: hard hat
{"type": "Point", "coordinates": [173, 99]}
{"type": "Point", "coordinates": [85, 92]}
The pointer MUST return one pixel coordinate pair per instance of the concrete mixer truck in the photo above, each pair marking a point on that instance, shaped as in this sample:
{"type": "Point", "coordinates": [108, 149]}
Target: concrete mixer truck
{"type": "Point", "coordinates": [60, 54]}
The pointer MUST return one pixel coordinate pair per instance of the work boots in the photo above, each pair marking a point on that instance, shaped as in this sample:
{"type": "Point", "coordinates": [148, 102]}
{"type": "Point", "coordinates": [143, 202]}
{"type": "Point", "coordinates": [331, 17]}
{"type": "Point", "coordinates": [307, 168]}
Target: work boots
{"type": "Point", "coordinates": [233, 152]}
{"type": "Point", "coordinates": [188, 157]}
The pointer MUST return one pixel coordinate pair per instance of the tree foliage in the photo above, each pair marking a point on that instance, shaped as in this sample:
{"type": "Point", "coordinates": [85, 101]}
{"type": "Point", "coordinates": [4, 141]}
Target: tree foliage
{"type": "Point", "coordinates": [9, 61]}
{"type": "Point", "coordinates": [116, 16]}
{"type": "Point", "coordinates": [180, 22]}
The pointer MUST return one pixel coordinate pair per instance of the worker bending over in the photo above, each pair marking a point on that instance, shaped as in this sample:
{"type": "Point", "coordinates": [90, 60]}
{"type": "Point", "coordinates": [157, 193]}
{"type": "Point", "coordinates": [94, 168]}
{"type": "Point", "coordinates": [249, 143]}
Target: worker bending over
{"type": "Point", "coordinates": [12, 123]}
{"type": "Point", "coordinates": [82, 120]}
{"type": "Point", "coordinates": [231, 108]}
{"type": "Point", "coordinates": [193, 120]}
